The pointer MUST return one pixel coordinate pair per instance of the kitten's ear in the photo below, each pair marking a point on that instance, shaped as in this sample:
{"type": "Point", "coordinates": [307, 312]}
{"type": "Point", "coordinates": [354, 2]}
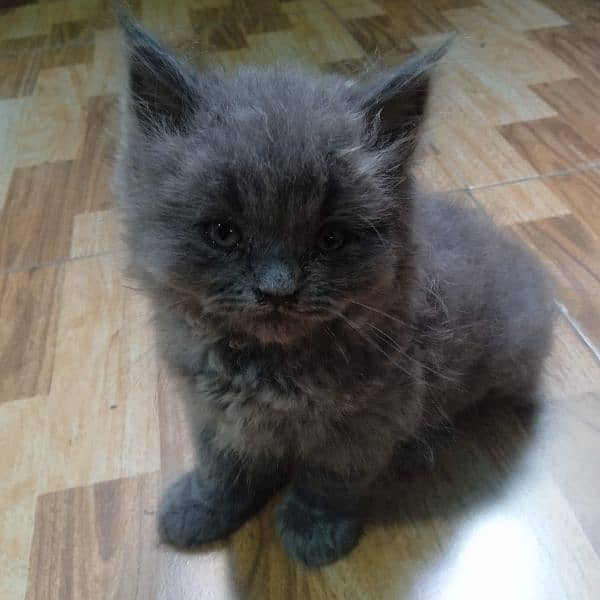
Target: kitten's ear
{"type": "Point", "coordinates": [396, 101]}
{"type": "Point", "coordinates": [162, 91]}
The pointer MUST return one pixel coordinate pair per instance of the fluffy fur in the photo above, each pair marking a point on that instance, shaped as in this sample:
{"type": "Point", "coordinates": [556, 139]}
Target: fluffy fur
{"type": "Point", "coordinates": [307, 364]}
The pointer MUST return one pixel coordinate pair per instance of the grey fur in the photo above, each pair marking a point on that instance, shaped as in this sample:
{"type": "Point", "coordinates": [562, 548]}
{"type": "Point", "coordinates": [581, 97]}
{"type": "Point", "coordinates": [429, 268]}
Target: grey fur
{"type": "Point", "coordinates": [425, 310]}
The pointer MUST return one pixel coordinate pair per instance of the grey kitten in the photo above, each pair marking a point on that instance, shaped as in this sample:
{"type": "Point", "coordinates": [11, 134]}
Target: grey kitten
{"type": "Point", "coordinates": [321, 310]}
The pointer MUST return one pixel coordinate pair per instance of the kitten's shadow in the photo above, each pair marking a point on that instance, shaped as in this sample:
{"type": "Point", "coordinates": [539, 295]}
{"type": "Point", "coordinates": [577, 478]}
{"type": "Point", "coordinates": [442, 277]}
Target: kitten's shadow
{"type": "Point", "coordinates": [473, 468]}
{"type": "Point", "coordinates": [473, 462]}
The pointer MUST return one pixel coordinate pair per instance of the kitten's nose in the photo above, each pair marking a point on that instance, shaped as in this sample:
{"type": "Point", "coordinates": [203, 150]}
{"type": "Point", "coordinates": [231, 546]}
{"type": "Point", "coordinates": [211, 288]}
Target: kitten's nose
{"type": "Point", "coordinates": [276, 280]}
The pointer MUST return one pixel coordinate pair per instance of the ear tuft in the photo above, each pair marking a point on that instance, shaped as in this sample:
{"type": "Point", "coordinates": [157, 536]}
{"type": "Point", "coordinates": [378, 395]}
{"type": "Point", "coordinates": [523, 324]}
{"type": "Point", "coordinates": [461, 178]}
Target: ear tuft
{"type": "Point", "coordinates": [163, 92]}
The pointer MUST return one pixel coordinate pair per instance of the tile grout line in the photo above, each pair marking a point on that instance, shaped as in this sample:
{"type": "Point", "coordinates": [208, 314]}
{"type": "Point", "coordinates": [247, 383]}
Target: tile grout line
{"type": "Point", "coordinates": [564, 311]}
{"type": "Point", "coordinates": [52, 263]}
{"type": "Point", "coordinates": [583, 168]}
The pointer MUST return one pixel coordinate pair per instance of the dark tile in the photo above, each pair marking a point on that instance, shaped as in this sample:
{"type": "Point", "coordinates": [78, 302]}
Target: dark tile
{"type": "Point", "coordinates": [27, 338]}
{"type": "Point", "coordinates": [107, 541]}
{"type": "Point", "coordinates": [550, 144]}
{"type": "Point", "coordinates": [19, 73]}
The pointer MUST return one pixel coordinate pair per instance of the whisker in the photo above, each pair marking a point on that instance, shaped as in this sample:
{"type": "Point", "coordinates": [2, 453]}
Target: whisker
{"type": "Point", "coordinates": [394, 342]}
{"type": "Point", "coordinates": [399, 349]}
{"type": "Point", "coordinates": [380, 312]}
{"type": "Point", "coordinates": [338, 345]}
{"type": "Point", "coordinates": [370, 340]}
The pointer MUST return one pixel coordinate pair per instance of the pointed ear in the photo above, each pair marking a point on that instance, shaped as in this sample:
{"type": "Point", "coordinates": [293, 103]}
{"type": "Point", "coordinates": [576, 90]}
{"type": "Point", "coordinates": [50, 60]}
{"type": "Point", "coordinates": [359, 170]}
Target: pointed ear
{"type": "Point", "coordinates": [395, 102]}
{"type": "Point", "coordinates": [162, 91]}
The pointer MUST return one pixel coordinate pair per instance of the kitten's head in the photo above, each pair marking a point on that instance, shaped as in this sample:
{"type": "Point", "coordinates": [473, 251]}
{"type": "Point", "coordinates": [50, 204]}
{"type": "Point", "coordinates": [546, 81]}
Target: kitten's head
{"type": "Point", "coordinates": [270, 201]}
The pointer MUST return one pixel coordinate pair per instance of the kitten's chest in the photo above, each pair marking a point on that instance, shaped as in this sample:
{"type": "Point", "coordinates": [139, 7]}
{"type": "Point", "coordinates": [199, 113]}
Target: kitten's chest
{"type": "Point", "coordinates": [271, 381]}
{"type": "Point", "coordinates": [266, 402]}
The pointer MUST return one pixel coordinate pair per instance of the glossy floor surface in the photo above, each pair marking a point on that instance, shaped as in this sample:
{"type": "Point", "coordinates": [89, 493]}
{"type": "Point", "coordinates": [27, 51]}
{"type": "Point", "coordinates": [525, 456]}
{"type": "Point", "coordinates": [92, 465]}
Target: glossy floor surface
{"type": "Point", "coordinates": [90, 428]}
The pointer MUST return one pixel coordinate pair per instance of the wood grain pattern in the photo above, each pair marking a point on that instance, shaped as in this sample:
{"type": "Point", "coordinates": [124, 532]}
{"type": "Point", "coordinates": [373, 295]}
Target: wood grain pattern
{"type": "Point", "coordinates": [377, 34]}
{"type": "Point", "coordinates": [91, 172]}
{"type": "Point", "coordinates": [94, 233]}
{"type": "Point", "coordinates": [10, 117]}
{"type": "Point", "coordinates": [550, 145]}
{"type": "Point", "coordinates": [35, 224]}
{"type": "Point", "coordinates": [101, 410]}
{"type": "Point", "coordinates": [19, 74]}
{"type": "Point", "coordinates": [27, 339]}
{"type": "Point", "coordinates": [65, 56]}
{"type": "Point", "coordinates": [518, 202]}
{"type": "Point", "coordinates": [581, 193]}
{"type": "Point", "coordinates": [105, 70]}
{"type": "Point", "coordinates": [52, 122]}
{"type": "Point", "coordinates": [573, 367]}
{"type": "Point", "coordinates": [480, 156]}
{"type": "Point", "coordinates": [91, 429]}
{"type": "Point", "coordinates": [526, 15]}
{"type": "Point", "coordinates": [69, 32]}
{"type": "Point", "coordinates": [99, 522]}
{"type": "Point", "coordinates": [576, 47]}
{"type": "Point", "coordinates": [108, 534]}
{"type": "Point", "coordinates": [583, 14]}
{"type": "Point", "coordinates": [177, 454]}
{"type": "Point", "coordinates": [572, 252]}
{"type": "Point", "coordinates": [21, 459]}
{"type": "Point", "coordinates": [574, 456]}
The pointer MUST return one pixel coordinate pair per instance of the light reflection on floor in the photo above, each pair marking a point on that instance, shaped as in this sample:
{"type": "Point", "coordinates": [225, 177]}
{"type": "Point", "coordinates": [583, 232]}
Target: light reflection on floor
{"type": "Point", "coordinates": [497, 558]}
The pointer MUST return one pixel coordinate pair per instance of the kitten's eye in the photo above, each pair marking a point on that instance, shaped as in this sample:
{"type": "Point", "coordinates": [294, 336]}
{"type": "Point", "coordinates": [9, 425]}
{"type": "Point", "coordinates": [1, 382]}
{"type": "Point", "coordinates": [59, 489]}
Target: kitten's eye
{"type": "Point", "coordinates": [331, 238]}
{"type": "Point", "coordinates": [224, 234]}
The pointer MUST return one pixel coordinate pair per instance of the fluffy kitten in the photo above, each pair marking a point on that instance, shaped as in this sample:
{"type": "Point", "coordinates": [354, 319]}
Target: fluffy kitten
{"type": "Point", "coordinates": [320, 309]}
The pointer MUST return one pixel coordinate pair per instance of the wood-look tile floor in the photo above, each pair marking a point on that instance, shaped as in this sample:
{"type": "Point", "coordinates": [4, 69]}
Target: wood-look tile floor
{"type": "Point", "coordinates": [90, 428]}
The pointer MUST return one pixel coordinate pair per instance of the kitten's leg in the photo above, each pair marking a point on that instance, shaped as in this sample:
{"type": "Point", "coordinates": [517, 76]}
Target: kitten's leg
{"type": "Point", "coordinates": [215, 499]}
{"type": "Point", "coordinates": [320, 520]}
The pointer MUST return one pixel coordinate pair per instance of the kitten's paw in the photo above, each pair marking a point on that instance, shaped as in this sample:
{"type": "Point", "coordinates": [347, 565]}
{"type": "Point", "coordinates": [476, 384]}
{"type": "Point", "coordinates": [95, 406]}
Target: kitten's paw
{"type": "Point", "coordinates": [314, 535]}
{"type": "Point", "coordinates": [192, 512]}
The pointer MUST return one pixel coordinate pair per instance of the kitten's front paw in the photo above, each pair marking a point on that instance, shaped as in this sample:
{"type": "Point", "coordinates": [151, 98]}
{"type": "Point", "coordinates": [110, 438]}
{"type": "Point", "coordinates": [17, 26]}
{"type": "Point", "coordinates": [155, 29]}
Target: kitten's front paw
{"type": "Point", "coordinates": [316, 535]}
{"type": "Point", "coordinates": [192, 512]}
